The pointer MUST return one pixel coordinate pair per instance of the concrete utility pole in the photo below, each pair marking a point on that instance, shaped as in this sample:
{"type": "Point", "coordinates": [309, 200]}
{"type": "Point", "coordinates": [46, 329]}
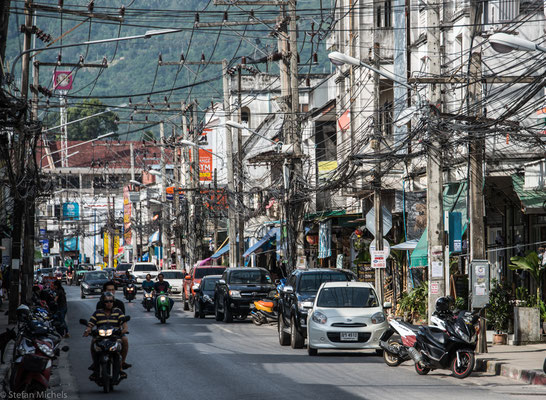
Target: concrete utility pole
{"type": "Point", "coordinates": [4, 22]}
{"type": "Point", "coordinates": [187, 184]}
{"type": "Point", "coordinates": [111, 231]}
{"type": "Point", "coordinates": [133, 206]}
{"type": "Point", "coordinates": [232, 216]}
{"type": "Point", "coordinates": [435, 213]}
{"type": "Point", "coordinates": [476, 150]}
{"type": "Point", "coordinates": [193, 234]}
{"type": "Point", "coordinates": [165, 245]}
{"type": "Point", "coordinates": [377, 204]}
{"type": "Point", "coordinates": [240, 157]}
{"type": "Point", "coordinates": [176, 202]}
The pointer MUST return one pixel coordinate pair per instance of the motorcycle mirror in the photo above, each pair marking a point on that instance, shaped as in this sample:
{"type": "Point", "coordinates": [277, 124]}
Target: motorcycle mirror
{"type": "Point", "coordinates": [83, 322]}
{"type": "Point", "coordinates": [65, 348]}
{"type": "Point", "coordinates": [127, 318]}
{"type": "Point", "coordinates": [387, 305]}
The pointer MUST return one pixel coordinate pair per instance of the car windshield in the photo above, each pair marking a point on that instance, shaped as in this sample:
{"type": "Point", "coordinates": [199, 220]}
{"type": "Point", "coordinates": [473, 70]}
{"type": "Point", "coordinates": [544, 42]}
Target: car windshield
{"type": "Point", "coordinates": [201, 272]}
{"type": "Point", "coordinates": [123, 267]}
{"type": "Point", "coordinates": [252, 277]}
{"type": "Point", "coordinates": [172, 275]}
{"type": "Point", "coordinates": [209, 284]}
{"type": "Point", "coordinates": [145, 267]}
{"type": "Point", "coordinates": [310, 283]}
{"type": "Point", "coordinates": [45, 271]}
{"type": "Point", "coordinates": [347, 297]}
{"type": "Point", "coordinates": [95, 276]}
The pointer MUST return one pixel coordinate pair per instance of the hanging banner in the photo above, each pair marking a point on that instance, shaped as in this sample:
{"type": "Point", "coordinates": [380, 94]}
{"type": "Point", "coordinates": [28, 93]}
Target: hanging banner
{"type": "Point", "coordinates": [205, 164]}
{"type": "Point", "coordinates": [325, 239]}
{"type": "Point", "coordinates": [326, 169]}
{"type": "Point", "coordinates": [71, 244]}
{"type": "Point", "coordinates": [345, 120]}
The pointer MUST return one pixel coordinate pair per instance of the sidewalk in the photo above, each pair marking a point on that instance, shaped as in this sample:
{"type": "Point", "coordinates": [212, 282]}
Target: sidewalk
{"type": "Point", "coordinates": [522, 363]}
{"type": "Point", "coordinates": [4, 368]}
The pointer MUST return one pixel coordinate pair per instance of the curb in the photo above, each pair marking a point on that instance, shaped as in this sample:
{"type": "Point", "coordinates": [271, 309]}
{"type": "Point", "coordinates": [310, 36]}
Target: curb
{"type": "Point", "coordinates": [529, 376]}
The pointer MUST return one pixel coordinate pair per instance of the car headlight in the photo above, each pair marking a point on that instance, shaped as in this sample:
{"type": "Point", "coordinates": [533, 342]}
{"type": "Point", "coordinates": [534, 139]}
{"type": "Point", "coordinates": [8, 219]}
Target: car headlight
{"type": "Point", "coordinates": [85, 285]}
{"type": "Point", "coordinates": [195, 287]}
{"type": "Point", "coordinates": [378, 318]}
{"type": "Point", "coordinates": [162, 298]}
{"type": "Point", "coordinates": [304, 305]}
{"type": "Point", "coordinates": [319, 317]}
{"type": "Point", "coordinates": [235, 294]}
{"type": "Point", "coordinates": [207, 298]}
{"type": "Point", "coordinates": [48, 351]}
{"type": "Point", "coordinates": [105, 332]}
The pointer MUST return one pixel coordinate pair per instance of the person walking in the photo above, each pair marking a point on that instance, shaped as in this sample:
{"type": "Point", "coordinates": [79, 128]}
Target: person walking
{"type": "Point", "coordinates": [62, 306]}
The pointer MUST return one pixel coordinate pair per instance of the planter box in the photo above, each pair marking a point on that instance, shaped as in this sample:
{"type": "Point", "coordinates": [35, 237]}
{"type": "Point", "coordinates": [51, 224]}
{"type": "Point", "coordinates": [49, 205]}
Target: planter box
{"type": "Point", "coordinates": [526, 325]}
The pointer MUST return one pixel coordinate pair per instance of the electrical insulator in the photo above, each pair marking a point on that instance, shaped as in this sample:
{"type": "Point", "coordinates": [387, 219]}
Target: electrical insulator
{"type": "Point", "coordinates": [203, 57]}
{"type": "Point", "coordinates": [307, 82]}
{"type": "Point", "coordinates": [166, 100]}
{"type": "Point", "coordinates": [61, 3]}
{"type": "Point", "coordinates": [252, 13]}
{"type": "Point", "coordinates": [196, 17]}
{"type": "Point", "coordinates": [315, 58]}
{"type": "Point", "coordinates": [182, 57]}
{"type": "Point", "coordinates": [243, 60]}
{"type": "Point", "coordinates": [122, 11]}
{"type": "Point", "coordinates": [225, 16]}
{"type": "Point", "coordinates": [160, 58]}
{"type": "Point", "coordinates": [91, 6]}
{"type": "Point", "coordinates": [130, 101]}
{"type": "Point", "coordinates": [104, 61]}
{"type": "Point", "coordinates": [59, 58]}
{"type": "Point", "coordinates": [81, 60]}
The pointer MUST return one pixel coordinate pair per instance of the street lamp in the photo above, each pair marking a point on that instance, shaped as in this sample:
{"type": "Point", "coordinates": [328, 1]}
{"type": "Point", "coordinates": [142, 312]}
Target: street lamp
{"type": "Point", "coordinates": [136, 182]}
{"type": "Point", "coordinates": [505, 43]}
{"type": "Point", "coordinates": [79, 144]}
{"type": "Point", "coordinates": [148, 34]}
{"type": "Point", "coordinates": [279, 146]}
{"type": "Point", "coordinates": [154, 201]}
{"type": "Point", "coordinates": [190, 143]}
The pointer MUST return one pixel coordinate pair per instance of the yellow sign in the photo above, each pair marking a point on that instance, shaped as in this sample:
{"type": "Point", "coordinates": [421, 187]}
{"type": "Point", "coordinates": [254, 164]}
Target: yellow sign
{"type": "Point", "coordinates": [326, 169]}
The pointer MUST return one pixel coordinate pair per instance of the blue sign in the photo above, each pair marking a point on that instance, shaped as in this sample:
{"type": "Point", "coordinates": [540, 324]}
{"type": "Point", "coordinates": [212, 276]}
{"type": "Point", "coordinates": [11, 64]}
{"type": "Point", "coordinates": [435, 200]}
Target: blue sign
{"type": "Point", "coordinates": [71, 244]}
{"type": "Point", "coordinates": [45, 246]}
{"type": "Point", "coordinates": [71, 211]}
{"type": "Point", "coordinates": [455, 232]}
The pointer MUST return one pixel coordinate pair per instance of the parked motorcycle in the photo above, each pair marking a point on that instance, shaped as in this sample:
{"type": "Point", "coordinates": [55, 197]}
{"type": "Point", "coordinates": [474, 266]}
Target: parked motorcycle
{"type": "Point", "coordinates": [163, 307]}
{"type": "Point", "coordinates": [148, 300]}
{"type": "Point", "coordinates": [265, 311]}
{"type": "Point", "coordinates": [129, 291]}
{"type": "Point", "coordinates": [36, 346]}
{"type": "Point", "coordinates": [452, 348]}
{"type": "Point", "coordinates": [108, 348]}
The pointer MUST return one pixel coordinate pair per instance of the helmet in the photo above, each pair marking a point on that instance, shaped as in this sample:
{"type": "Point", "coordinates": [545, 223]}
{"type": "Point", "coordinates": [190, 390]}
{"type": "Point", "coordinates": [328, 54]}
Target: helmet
{"type": "Point", "coordinates": [105, 295]}
{"type": "Point", "coordinates": [23, 312]}
{"type": "Point", "coordinates": [442, 304]}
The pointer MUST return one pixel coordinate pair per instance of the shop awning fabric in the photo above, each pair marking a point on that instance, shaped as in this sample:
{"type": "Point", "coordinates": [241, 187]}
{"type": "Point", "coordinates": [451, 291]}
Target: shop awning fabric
{"type": "Point", "coordinates": [533, 201]}
{"type": "Point", "coordinates": [409, 245]}
{"type": "Point", "coordinates": [262, 242]}
{"type": "Point", "coordinates": [154, 238]}
{"type": "Point", "coordinates": [220, 252]}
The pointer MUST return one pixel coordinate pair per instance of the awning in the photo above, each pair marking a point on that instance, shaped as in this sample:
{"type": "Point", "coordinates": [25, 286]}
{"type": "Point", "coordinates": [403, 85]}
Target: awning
{"type": "Point", "coordinates": [419, 256]}
{"type": "Point", "coordinates": [409, 245]}
{"type": "Point", "coordinates": [533, 201]}
{"type": "Point", "coordinates": [154, 237]}
{"type": "Point", "coordinates": [203, 262]}
{"type": "Point", "coordinates": [220, 252]}
{"type": "Point", "coordinates": [272, 233]}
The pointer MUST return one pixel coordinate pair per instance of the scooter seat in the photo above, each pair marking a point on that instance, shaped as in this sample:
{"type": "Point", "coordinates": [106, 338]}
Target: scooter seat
{"type": "Point", "coordinates": [414, 328]}
{"type": "Point", "coordinates": [268, 304]}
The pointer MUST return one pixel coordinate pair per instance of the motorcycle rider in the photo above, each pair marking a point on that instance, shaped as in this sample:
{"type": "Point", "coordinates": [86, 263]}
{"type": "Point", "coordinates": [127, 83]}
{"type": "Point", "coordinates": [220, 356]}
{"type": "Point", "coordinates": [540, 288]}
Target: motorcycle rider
{"type": "Point", "coordinates": [161, 286]}
{"type": "Point", "coordinates": [147, 286]}
{"type": "Point", "coordinates": [126, 279]}
{"type": "Point", "coordinates": [107, 315]}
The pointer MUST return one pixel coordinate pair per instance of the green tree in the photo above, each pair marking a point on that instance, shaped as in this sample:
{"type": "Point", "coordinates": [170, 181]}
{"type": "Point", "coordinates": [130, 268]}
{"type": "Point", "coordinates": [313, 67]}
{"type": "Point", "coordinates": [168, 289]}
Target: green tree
{"type": "Point", "coordinates": [92, 127]}
{"type": "Point", "coordinates": [532, 264]}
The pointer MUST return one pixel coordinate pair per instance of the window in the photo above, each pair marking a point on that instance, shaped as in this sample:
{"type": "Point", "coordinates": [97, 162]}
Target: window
{"type": "Point", "coordinates": [347, 297]}
{"type": "Point", "coordinates": [508, 10]}
{"type": "Point", "coordinates": [310, 283]}
{"type": "Point", "coordinates": [245, 116]}
{"type": "Point", "coordinates": [388, 14]}
{"type": "Point", "coordinates": [249, 277]}
{"type": "Point", "coordinates": [201, 272]}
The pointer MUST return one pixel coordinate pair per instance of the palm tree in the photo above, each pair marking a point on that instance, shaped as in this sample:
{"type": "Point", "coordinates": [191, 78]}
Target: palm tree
{"type": "Point", "coordinates": [533, 265]}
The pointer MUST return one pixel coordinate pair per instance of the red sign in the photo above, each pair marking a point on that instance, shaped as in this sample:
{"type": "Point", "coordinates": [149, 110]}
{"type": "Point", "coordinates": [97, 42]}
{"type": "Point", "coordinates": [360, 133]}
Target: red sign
{"type": "Point", "coordinates": [62, 80]}
{"type": "Point", "coordinates": [205, 164]}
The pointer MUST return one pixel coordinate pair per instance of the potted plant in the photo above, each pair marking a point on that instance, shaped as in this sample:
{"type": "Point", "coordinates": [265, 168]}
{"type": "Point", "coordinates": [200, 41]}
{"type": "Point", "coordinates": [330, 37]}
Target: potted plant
{"type": "Point", "coordinates": [527, 318]}
{"type": "Point", "coordinates": [413, 305]}
{"type": "Point", "coordinates": [498, 312]}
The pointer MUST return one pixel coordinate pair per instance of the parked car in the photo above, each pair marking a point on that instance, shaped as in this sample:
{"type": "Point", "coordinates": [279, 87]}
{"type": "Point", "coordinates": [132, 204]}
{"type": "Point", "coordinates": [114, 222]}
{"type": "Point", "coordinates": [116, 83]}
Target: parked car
{"type": "Point", "coordinates": [237, 291]}
{"type": "Point", "coordinates": [297, 297]}
{"type": "Point", "coordinates": [175, 277]}
{"type": "Point", "coordinates": [345, 315]}
{"type": "Point", "coordinates": [140, 269]}
{"type": "Point", "coordinates": [204, 296]}
{"type": "Point", "coordinates": [193, 279]}
{"type": "Point", "coordinates": [92, 283]}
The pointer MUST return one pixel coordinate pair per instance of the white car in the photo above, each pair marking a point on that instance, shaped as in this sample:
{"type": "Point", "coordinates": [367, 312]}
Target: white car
{"type": "Point", "coordinates": [175, 277]}
{"type": "Point", "coordinates": [345, 315]}
{"type": "Point", "coordinates": [140, 269]}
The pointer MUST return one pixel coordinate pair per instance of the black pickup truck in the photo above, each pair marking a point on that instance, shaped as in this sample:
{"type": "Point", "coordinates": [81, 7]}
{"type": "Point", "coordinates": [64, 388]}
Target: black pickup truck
{"type": "Point", "coordinates": [238, 289]}
{"type": "Point", "coordinates": [297, 298]}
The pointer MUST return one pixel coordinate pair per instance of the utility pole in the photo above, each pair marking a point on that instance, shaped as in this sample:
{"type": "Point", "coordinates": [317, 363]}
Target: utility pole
{"type": "Point", "coordinates": [240, 157]}
{"type": "Point", "coordinates": [476, 150]}
{"type": "Point", "coordinates": [187, 180]}
{"type": "Point", "coordinates": [194, 234]}
{"type": "Point", "coordinates": [435, 213]}
{"type": "Point", "coordinates": [133, 205]}
{"type": "Point", "coordinates": [111, 231]}
{"type": "Point", "coordinates": [176, 202]}
{"type": "Point", "coordinates": [165, 247]}
{"type": "Point", "coordinates": [4, 22]}
{"type": "Point", "coordinates": [214, 209]}
{"type": "Point", "coordinates": [232, 216]}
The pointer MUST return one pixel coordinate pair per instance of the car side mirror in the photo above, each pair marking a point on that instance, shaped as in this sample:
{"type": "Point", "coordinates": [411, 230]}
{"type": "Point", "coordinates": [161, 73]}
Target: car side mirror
{"type": "Point", "coordinates": [221, 282]}
{"type": "Point", "coordinates": [288, 290]}
{"type": "Point", "coordinates": [197, 290]}
{"type": "Point", "coordinates": [387, 305]}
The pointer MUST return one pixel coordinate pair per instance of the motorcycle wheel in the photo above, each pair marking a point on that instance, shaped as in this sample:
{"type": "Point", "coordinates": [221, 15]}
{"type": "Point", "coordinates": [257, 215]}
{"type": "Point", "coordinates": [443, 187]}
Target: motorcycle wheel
{"type": "Point", "coordinates": [186, 304]}
{"type": "Point", "coordinates": [162, 316]}
{"type": "Point", "coordinates": [256, 320]}
{"type": "Point", "coordinates": [34, 390]}
{"type": "Point", "coordinates": [467, 361]}
{"type": "Point", "coordinates": [421, 370]}
{"type": "Point", "coordinates": [105, 378]}
{"type": "Point", "coordinates": [392, 360]}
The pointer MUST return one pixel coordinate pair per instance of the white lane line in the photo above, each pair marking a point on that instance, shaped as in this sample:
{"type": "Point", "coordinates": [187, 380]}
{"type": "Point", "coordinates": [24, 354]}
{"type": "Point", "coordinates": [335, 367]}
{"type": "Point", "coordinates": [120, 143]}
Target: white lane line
{"type": "Point", "coordinates": [227, 330]}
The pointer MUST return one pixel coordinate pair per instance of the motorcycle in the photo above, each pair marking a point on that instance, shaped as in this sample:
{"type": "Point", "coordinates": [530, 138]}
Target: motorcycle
{"type": "Point", "coordinates": [452, 348]}
{"type": "Point", "coordinates": [70, 278]}
{"type": "Point", "coordinates": [163, 307]}
{"type": "Point", "coordinates": [108, 346]}
{"type": "Point", "coordinates": [129, 290]}
{"type": "Point", "coordinates": [265, 311]}
{"type": "Point", "coordinates": [148, 300]}
{"type": "Point", "coordinates": [36, 346]}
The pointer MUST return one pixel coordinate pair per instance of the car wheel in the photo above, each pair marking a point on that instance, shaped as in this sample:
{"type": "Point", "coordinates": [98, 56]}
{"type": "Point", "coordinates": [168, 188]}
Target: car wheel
{"type": "Point", "coordinates": [228, 315]}
{"type": "Point", "coordinates": [284, 338]}
{"type": "Point", "coordinates": [82, 295]}
{"type": "Point", "coordinates": [296, 338]}
{"type": "Point", "coordinates": [201, 311]}
{"type": "Point", "coordinates": [311, 351]}
{"type": "Point", "coordinates": [218, 316]}
{"type": "Point", "coordinates": [196, 310]}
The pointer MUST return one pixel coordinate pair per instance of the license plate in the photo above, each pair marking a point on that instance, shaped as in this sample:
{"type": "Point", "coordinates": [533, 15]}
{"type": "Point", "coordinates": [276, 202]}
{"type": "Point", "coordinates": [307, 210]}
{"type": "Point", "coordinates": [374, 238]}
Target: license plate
{"type": "Point", "coordinates": [97, 290]}
{"type": "Point", "coordinates": [348, 336]}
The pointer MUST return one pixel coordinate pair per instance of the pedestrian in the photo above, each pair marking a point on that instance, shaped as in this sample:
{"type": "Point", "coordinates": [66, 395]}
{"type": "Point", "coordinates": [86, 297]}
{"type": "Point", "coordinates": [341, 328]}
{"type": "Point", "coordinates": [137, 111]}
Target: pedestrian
{"type": "Point", "coordinates": [62, 306]}
{"type": "Point", "coordinates": [7, 280]}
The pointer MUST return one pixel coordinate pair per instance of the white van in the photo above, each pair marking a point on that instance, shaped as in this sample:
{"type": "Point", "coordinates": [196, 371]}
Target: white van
{"type": "Point", "coordinates": [141, 269]}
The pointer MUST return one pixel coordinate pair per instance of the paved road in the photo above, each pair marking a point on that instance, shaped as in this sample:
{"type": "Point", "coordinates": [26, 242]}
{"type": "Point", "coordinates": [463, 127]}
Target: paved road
{"type": "Point", "coordinates": [203, 359]}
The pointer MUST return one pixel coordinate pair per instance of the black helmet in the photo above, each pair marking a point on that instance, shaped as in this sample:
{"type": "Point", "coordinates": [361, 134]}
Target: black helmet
{"type": "Point", "coordinates": [442, 304]}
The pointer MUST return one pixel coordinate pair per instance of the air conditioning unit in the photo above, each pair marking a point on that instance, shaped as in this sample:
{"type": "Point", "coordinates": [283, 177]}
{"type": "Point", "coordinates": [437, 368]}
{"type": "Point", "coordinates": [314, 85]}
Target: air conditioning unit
{"type": "Point", "coordinates": [535, 175]}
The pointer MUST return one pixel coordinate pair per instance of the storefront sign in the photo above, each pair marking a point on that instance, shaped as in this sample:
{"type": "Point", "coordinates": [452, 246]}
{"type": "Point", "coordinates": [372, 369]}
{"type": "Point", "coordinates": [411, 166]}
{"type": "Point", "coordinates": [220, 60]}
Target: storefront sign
{"type": "Point", "coordinates": [325, 239]}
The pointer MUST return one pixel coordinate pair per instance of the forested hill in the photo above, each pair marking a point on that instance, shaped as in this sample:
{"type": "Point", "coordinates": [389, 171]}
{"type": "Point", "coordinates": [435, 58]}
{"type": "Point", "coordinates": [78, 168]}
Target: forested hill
{"type": "Point", "coordinates": [133, 65]}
